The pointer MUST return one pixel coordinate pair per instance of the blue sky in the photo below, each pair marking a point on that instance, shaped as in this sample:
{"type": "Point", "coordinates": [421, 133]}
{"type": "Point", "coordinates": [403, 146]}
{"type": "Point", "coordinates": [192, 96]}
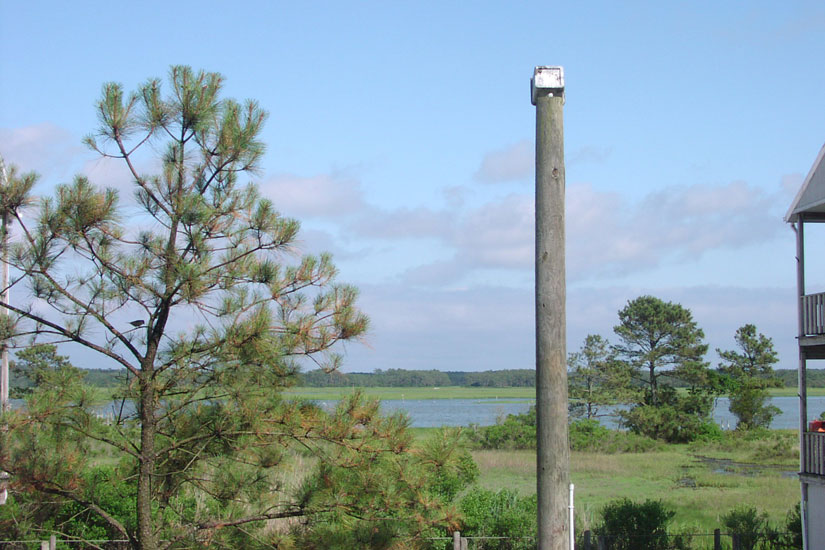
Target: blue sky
{"type": "Point", "coordinates": [401, 135]}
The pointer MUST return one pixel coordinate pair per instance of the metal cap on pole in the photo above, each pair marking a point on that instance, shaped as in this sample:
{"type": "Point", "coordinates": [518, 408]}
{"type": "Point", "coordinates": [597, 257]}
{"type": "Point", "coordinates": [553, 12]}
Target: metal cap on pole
{"type": "Point", "coordinates": [552, 451]}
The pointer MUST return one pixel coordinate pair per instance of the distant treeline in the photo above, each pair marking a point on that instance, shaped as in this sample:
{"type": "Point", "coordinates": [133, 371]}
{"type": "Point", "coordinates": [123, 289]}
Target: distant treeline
{"type": "Point", "coordinates": [109, 378]}
{"type": "Point", "coordinates": [396, 378]}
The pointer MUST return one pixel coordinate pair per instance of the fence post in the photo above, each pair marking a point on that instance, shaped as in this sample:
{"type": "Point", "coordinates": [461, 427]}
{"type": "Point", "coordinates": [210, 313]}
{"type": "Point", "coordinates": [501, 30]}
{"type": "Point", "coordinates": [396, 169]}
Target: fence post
{"type": "Point", "coordinates": [602, 542]}
{"type": "Point", "coordinates": [736, 541]}
{"type": "Point", "coordinates": [587, 540]}
{"type": "Point", "coordinates": [44, 545]}
{"type": "Point", "coordinates": [456, 540]}
{"type": "Point", "coordinates": [717, 539]}
{"type": "Point", "coordinates": [465, 543]}
{"type": "Point", "coordinates": [53, 542]}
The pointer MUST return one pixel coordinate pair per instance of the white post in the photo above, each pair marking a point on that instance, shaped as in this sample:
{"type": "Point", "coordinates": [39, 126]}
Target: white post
{"type": "Point", "coordinates": [572, 509]}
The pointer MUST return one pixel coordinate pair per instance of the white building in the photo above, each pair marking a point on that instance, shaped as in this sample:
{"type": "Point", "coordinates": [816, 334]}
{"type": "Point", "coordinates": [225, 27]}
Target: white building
{"type": "Point", "coordinates": [809, 207]}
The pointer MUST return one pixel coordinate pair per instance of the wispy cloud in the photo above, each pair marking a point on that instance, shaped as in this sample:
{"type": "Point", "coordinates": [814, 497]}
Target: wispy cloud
{"type": "Point", "coordinates": [512, 163]}
{"type": "Point", "coordinates": [44, 148]}
{"type": "Point", "coordinates": [609, 236]}
{"type": "Point", "coordinates": [321, 196]}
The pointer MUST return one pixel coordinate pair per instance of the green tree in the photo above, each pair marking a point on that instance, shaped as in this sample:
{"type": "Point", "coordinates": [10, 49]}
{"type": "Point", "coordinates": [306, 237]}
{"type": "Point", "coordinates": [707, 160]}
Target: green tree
{"type": "Point", "coordinates": [33, 365]}
{"type": "Point", "coordinates": [195, 290]}
{"type": "Point", "coordinates": [751, 371]}
{"type": "Point", "coordinates": [657, 335]}
{"type": "Point", "coordinates": [661, 340]}
{"type": "Point", "coordinates": [596, 379]}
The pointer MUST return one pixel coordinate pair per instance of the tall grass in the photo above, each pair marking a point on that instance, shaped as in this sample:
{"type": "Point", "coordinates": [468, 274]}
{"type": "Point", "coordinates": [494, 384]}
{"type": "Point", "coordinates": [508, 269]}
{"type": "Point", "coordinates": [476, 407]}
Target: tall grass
{"type": "Point", "coordinates": [675, 474]}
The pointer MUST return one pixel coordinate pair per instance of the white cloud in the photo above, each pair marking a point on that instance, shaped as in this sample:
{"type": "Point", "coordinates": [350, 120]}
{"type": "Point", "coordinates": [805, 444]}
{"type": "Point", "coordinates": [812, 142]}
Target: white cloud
{"type": "Point", "coordinates": [512, 163]}
{"type": "Point", "coordinates": [607, 236]}
{"type": "Point", "coordinates": [588, 154]}
{"type": "Point", "coordinates": [44, 148]}
{"type": "Point", "coordinates": [498, 234]}
{"type": "Point", "coordinates": [517, 162]}
{"type": "Point", "coordinates": [493, 327]}
{"type": "Point", "coordinates": [402, 223]}
{"type": "Point", "coordinates": [321, 196]}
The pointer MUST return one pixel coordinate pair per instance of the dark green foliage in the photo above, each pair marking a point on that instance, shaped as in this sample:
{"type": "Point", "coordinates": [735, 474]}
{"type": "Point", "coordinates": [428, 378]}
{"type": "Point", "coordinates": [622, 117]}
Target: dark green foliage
{"type": "Point", "coordinates": [632, 525]}
{"type": "Point", "coordinates": [793, 529]}
{"type": "Point", "coordinates": [515, 378]}
{"type": "Point", "coordinates": [104, 485]}
{"type": "Point", "coordinates": [596, 379]}
{"type": "Point", "coordinates": [788, 378]}
{"type": "Point", "coordinates": [679, 418]}
{"type": "Point", "coordinates": [751, 372]}
{"type": "Point", "coordinates": [657, 335]}
{"type": "Point", "coordinates": [515, 431]}
{"type": "Point", "coordinates": [400, 496]}
{"type": "Point", "coordinates": [418, 378]}
{"type": "Point", "coordinates": [590, 436]}
{"type": "Point", "coordinates": [518, 431]}
{"type": "Point", "coordinates": [488, 513]}
{"type": "Point", "coordinates": [748, 524]}
{"type": "Point", "coordinates": [32, 367]}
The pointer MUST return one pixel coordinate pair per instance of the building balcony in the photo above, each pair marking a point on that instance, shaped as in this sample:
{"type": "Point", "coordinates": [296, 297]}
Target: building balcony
{"type": "Point", "coordinates": [813, 326]}
{"type": "Point", "coordinates": [813, 455]}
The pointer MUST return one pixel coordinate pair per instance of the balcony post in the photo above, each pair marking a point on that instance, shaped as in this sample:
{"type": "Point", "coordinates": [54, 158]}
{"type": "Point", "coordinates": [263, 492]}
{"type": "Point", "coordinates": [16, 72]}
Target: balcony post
{"type": "Point", "coordinates": [802, 374]}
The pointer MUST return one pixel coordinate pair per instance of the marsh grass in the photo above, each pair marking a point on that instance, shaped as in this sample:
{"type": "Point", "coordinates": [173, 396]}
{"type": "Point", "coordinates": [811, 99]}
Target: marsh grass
{"type": "Point", "coordinates": [675, 474]}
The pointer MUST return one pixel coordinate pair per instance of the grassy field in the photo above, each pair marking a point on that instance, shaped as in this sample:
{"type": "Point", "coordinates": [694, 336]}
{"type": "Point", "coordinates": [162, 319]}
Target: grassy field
{"type": "Point", "coordinates": [446, 392]}
{"type": "Point", "coordinates": [792, 392]}
{"type": "Point", "coordinates": [699, 482]}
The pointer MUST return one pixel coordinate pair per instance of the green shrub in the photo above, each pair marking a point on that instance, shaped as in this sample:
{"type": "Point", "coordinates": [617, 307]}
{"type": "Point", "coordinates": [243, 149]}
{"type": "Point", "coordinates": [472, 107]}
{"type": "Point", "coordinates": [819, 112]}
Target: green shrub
{"type": "Point", "coordinates": [499, 514]}
{"type": "Point", "coordinates": [590, 436]}
{"type": "Point", "coordinates": [632, 525]}
{"type": "Point", "coordinates": [518, 431]}
{"type": "Point", "coordinates": [748, 523]}
{"type": "Point", "coordinates": [515, 431]}
{"type": "Point", "coordinates": [668, 423]}
{"type": "Point", "coordinates": [793, 529]}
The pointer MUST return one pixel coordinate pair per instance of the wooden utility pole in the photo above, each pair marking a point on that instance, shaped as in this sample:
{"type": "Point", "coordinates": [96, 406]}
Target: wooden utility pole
{"type": "Point", "coordinates": [553, 453]}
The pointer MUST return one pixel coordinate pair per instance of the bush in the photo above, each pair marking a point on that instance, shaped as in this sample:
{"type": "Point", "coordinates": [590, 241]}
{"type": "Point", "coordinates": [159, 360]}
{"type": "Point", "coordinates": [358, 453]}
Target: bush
{"type": "Point", "coordinates": [499, 514]}
{"type": "Point", "coordinates": [590, 436]}
{"type": "Point", "coordinates": [515, 431]}
{"type": "Point", "coordinates": [631, 525]}
{"type": "Point", "coordinates": [518, 431]}
{"type": "Point", "coordinates": [793, 529]}
{"type": "Point", "coordinates": [668, 423]}
{"type": "Point", "coordinates": [748, 523]}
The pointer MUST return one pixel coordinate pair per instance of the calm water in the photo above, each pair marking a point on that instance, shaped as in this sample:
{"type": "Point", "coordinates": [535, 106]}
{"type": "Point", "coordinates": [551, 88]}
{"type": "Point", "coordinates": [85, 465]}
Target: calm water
{"type": "Point", "coordinates": [428, 413]}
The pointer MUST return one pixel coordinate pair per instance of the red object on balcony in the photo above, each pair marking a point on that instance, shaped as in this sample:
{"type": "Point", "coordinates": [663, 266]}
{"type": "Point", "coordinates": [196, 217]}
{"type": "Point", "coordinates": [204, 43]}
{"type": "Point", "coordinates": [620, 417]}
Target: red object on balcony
{"type": "Point", "coordinates": [816, 426]}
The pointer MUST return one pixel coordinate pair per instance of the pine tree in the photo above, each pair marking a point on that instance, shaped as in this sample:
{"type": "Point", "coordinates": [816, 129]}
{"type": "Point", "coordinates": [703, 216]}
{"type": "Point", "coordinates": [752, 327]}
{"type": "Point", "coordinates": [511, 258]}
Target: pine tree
{"type": "Point", "coordinates": [197, 292]}
{"type": "Point", "coordinates": [751, 371]}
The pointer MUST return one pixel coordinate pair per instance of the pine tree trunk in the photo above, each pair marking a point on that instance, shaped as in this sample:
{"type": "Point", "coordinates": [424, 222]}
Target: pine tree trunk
{"type": "Point", "coordinates": [146, 534]}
